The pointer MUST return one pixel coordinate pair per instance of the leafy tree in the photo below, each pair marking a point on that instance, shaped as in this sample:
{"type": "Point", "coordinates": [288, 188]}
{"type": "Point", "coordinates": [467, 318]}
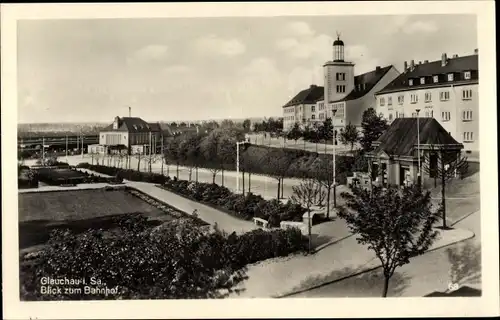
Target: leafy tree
{"type": "Point", "coordinates": [182, 124]}
{"type": "Point", "coordinates": [373, 126]}
{"type": "Point", "coordinates": [246, 125]}
{"type": "Point", "coordinates": [210, 148]}
{"type": "Point", "coordinates": [326, 130]}
{"type": "Point", "coordinates": [193, 153]}
{"type": "Point", "coordinates": [448, 164]}
{"type": "Point", "coordinates": [395, 224]}
{"type": "Point", "coordinates": [173, 152]}
{"type": "Point", "coordinates": [173, 124]}
{"type": "Point", "coordinates": [279, 163]}
{"type": "Point", "coordinates": [308, 194]}
{"type": "Point", "coordinates": [227, 123]}
{"type": "Point", "coordinates": [295, 133]}
{"type": "Point", "coordinates": [350, 135]}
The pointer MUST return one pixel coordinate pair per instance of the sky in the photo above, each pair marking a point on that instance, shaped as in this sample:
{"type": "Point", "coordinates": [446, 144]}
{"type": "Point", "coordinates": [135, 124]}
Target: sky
{"type": "Point", "coordinates": [170, 69]}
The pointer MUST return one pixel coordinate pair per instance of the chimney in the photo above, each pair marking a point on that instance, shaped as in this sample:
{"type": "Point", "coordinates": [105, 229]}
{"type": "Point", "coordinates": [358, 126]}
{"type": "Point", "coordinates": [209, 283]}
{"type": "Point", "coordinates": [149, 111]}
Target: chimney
{"type": "Point", "coordinates": [412, 65]}
{"type": "Point", "coordinates": [444, 59]}
{"type": "Point", "coordinates": [476, 51]}
{"type": "Point", "coordinates": [377, 68]}
{"type": "Point", "coordinates": [420, 62]}
{"type": "Point", "coordinates": [405, 66]}
{"type": "Point", "coordinates": [455, 56]}
{"type": "Point", "coordinates": [129, 111]}
{"type": "Point", "coordinates": [426, 61]}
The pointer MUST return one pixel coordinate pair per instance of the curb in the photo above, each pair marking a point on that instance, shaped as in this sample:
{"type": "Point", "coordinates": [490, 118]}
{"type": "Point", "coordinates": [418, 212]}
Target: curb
{"type": "Point", "coordinates": [359, 272]}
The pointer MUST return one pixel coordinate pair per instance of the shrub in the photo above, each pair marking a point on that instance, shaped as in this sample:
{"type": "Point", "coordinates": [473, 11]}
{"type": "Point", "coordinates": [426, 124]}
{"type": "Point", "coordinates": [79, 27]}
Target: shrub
{"type": "Point", "coordinates": [177, 260]}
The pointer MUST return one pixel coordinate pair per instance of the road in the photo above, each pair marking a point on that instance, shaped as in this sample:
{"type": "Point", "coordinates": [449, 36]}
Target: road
{"type": "Point", "coordinates": [267, 187]}
{"type": "Point", "coordinates": [425, 274]}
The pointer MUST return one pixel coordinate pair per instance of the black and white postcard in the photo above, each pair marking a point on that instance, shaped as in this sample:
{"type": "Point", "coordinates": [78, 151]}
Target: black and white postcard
{"type": "Point", "coordinates": [244, 160]}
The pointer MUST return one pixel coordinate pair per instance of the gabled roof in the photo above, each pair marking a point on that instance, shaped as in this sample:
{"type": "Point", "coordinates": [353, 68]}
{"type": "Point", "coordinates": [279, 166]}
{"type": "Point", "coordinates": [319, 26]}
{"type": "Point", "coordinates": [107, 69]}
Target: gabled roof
{"type": "Point", "coordinates": [367, 81]}
{"type": "Point", "coordinates": [309, 95]}
{"type": "Point", "coordinates": [400, 139]}
{"type": "Point", "coordinates": [135, 125]}
{"type": "Point", "coordinates": [453, 65]}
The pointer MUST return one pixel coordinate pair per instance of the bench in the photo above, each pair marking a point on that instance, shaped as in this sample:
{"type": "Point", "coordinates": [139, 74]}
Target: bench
{"type": "Point", "coordinates": [260, 222]}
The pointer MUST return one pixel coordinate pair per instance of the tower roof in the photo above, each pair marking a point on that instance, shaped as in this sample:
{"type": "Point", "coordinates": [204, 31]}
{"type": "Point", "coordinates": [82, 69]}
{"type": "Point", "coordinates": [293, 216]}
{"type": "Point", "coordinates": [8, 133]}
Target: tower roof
{"type": "Point", "coordinates": [338, 42]}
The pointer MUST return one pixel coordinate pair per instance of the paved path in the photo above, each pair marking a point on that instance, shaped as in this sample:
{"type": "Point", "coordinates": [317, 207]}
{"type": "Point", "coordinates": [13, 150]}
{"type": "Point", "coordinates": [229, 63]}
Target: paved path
{"type": "Point", "coordinates": [208, 214]}
{"type": "Point", "coordinates": [425, 274]}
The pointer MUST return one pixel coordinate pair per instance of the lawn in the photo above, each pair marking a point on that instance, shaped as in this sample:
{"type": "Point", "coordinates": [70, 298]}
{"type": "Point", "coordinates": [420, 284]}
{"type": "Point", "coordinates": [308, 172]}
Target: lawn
{"type": "Point", "coordinates": [79, 210]}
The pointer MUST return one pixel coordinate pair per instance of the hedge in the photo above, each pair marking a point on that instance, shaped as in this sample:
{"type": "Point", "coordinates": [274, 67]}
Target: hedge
{"type": "Point", "coordinates": [174, 260]}
{"type": "Point", "coordinates": [241, 206]}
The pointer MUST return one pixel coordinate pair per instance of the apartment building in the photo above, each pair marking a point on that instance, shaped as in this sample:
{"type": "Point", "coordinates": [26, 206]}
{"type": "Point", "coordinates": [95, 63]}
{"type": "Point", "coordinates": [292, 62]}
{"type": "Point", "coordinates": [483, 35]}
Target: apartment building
{"type": "Point", "coordinates": [445, 89]}
{"type": "Point", "coordinates": [347, 94]}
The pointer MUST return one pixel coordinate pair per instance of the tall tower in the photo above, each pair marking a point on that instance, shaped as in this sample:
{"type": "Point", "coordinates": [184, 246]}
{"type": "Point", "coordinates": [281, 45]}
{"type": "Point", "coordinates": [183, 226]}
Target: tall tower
{"type": "Point", "coordinates": [339, 75]}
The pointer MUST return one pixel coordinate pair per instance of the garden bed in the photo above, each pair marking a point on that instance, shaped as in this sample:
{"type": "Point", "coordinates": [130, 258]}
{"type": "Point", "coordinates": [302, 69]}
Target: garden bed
{"type": "Point", "coordinates": [67, 176]}
{"type": "Point", "coordinates": [78, 210]}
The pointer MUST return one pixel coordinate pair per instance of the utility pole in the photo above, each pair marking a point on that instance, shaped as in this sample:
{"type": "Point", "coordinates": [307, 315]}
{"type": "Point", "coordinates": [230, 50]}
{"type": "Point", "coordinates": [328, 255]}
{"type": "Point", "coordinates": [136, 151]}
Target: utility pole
{"type": "Point", "coordinates": [419, 176]}
{"type": "Point", "coordinates": [150, 146]}
{"type": "Point", "coordinates": [43, 151]}
{"type": "Point", "coordinates": [162, 154]}
{"type": "Point", "coordinates": [82, 144]}
{"type": "Point", "coordinates": [334, 175]}
{"type": "Point", "coordinates": [238, 166]}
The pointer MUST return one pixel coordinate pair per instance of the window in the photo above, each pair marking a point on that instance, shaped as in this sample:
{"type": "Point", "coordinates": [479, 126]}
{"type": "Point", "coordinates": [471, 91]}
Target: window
{"type": "Point", "coordinates": [450, 76]}
{"type": "Point", "coordinates": [414, 98]}
{"type": "Point", "coordinates": [410, 82]}
{"type": "Point", "coordinates": [400, 115]}
{"type": "Point", "coordinates": [467, 115]}
{"type": "Point", "coordinates": [429, 113]}
{"type": "Point", "coordinates": [445, 116]}
{"type": "Point", "coordinates": [382, 102]}
{"type": "Point", "coordinates": [422, 80]}
{"type": "Point", "coordinates": [313, 109]}
{"type": "Point", "coordinates": [468, 136]}
{"type": "Point", "coordinates": [341, 89]}
{"type": "Point", "coordinates": [467, 75]}
{"type": "Point", "coordinates": [435, 79]}
{"type": "Point", "coordinates": [313, 116]}
{"type": "Point", "coordinates": [428, 97]}
{"type": "Point", "coordinates": [444, 95]}
{"type": "Point", "coordinates": [466, 94]}
{"type": "Point", "coordinates": [413, 114]}
{"type": "Point", "coordinates": [340, 76]}
{"type": "Point", "coordinates": [401, 99]}
{"type": "Point", "coordinates": [390, 116]}
{"type": "Point", "coordinates": [389, 101]}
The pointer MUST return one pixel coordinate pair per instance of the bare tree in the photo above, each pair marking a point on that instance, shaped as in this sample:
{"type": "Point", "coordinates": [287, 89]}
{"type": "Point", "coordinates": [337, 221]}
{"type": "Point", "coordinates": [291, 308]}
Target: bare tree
{"type": "Point", "coordinates": [324, 176]}
{"type": "Point", "coordinates": [308, 194]}
{"type": "Point", "coordinates": [138, 154]}
{"type": "Point", "coordinates": [444, 165]}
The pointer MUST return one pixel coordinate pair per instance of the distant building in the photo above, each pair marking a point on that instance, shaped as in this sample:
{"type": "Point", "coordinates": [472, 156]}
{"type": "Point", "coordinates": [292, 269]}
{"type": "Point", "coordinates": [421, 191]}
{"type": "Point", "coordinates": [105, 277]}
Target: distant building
{"type": "Point", "coordinates": [131, 135]}
{"type": "Point", "coordinates": [446, 89]}
{"type": "Point", "coordinates": [395, 157]}
{"type": "Point", "coordinates": [349, 95]}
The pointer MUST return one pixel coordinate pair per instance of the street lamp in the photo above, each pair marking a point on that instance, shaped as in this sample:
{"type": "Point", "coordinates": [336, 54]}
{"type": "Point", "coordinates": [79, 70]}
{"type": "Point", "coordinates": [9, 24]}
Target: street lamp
{"type": "Point", "coordinates": [238, 143]}
{"type": "Point", "coordinates": [334, 110]}
{"type": "Point", "coordinates": [419, 177]}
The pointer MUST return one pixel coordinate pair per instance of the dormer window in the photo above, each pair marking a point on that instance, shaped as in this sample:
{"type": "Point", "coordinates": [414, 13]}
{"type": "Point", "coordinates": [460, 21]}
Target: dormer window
{"type": "Point", "coordinates": [467, 75]}
{"type": "Point", "coordinates": [422, 80]}
{"type": "Point", "coordinates": [435, 79]}
{"type": "Point", "coordinates": [450, 76]}
{"type": "Point", "coordinates": [135, 127]}
{"type": "Point", "coordinates": [410, 82]}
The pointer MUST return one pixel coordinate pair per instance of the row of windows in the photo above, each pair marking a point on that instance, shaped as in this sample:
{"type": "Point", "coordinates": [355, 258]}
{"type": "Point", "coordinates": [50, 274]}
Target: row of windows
{"type": "Point", "coordinates": [341, 89]}
{"type": "Point", "coordinates": [435, 78]}
{"type": "Point", "coordinates": [289, 110]}
{"type": "Point", "coordinates": [468, 136]}
{"type": "Point", "coordinates": [321, 106]}
{"type": "Point", "coordinates": [340, 76]}
{"type": "Point", "coordinates": [429, 113]}
{"type": "Point", "coordinates": [289, 118]}
{"type": "Point", "coordinates": [443, 96]}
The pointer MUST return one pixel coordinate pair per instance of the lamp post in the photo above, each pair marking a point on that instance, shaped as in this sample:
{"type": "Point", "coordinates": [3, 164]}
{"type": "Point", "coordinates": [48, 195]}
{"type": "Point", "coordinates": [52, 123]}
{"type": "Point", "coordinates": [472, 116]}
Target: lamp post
{"type": "Point", "coordinates": [238, 143]}
{"type": "Point", "coordinates": [334, 111]}
{"type": "Point", "coordinates": [66, 148]}
{"type": "Point", "coordinates": [419, 178]}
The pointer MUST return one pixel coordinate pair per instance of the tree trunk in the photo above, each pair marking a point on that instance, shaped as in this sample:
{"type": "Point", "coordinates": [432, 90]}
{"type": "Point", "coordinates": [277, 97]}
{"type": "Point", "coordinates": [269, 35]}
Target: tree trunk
{"type": "Point", "coordinates": [139, 164]}
{"type": "Point", "coordinates": [328, 203]}
{"type": "Point", "coordinates": [162, 160]}
{"type": "Point", "coordinates": [177, 171]}
{"type": "Point", "coordinates": [282, 187]}
{"type": "Point", "coordinates": [197, 174]}
{"type": "Point", "coordinates": [213, 177]}
{"type": "Point", "coordinates": [249, 181]}
{"type": "Point", "coordinates": [190, 173]}
{"type": "Point", "coordinates": [279, 188]}
{"type": "Point", "coordinates": [386, 286]}
{"type": "Point", "coordinates": [222, 174]}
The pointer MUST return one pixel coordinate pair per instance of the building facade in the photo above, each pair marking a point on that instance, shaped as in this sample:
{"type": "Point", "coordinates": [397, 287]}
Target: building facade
{"type": "Point", "coordinates": [347, 94]}
{"type": "Point", "coordinates": [132, 135]}
{"type": "Point", "coordinates": [446, 90]}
